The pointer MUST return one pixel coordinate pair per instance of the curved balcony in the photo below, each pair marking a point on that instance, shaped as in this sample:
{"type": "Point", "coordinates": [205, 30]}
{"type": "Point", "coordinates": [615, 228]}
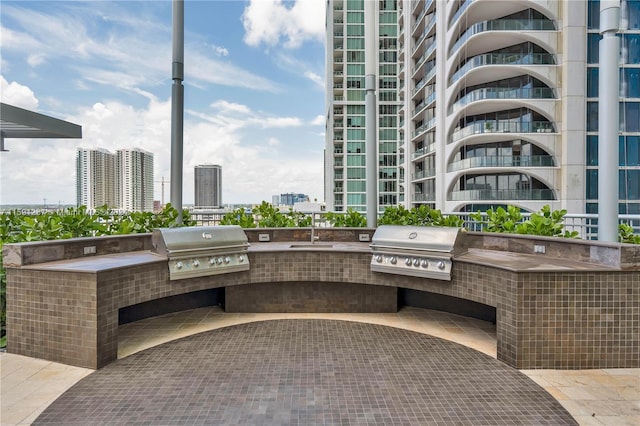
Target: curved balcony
{"type": "Point", "coordinates": [503, 59]}
{"type": "Point", "coordinates": [501, 195]}
{"type": "Point", "coordinates": [495, 92]}
{"type": "Point", "coordinates": [422, 36]}
{"type": "Point", "coordinates": [424, 104]}
{"type": "Point", "coordinates": [493, 126]}
{"type": "Point", "coordinates": [426, 126]}
{"type": "Point", "coordinates": [423, 174]}
{"type": "Point", "coordinates": [460, 11]}
{"type": "Point", "coordinates": [430, 49]}
{"type": "Point", "coordinates": [502, 161]}
{"type": "Point", "coordinates": [424, 197]}
{"type": "Point", "coordinates": [419, 85]}
{"type": "Point", "coordinates": [503, 25]}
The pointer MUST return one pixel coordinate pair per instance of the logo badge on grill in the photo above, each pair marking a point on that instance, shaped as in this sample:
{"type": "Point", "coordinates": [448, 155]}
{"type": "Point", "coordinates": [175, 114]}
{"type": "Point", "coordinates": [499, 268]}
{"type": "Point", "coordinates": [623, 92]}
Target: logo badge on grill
{"type": "Point", "coordinates": [413, 235]}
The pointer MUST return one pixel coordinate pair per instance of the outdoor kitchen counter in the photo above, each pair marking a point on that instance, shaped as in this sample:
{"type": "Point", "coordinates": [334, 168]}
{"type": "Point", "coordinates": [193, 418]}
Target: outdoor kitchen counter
{"type": "Point", "coordinates": [504, 260]}
{"type": "Point", "coordinates": [521, 262]}
{"type": "Point", "coordinates": [105, 262]}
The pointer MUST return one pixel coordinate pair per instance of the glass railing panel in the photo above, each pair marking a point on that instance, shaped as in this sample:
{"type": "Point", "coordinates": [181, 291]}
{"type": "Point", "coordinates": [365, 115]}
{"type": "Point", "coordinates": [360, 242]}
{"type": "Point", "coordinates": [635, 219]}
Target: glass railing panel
{"type": "Point", "coordinates": [504, 25]}
{"type": "Point", "coordinates": [422, 174]}
{"type": "Point", "coordinates": [501, 194]}
{"type": "Point", "coordinates": [497, 126]}
{"type": "Point", "coordinates": [503, 93]}
{"type": "Point", "coordinates": [502, 161]}
{"type": "Point", "coordinates": [460, 11]}
{"type": "Point", "coordinates": [503, 59]}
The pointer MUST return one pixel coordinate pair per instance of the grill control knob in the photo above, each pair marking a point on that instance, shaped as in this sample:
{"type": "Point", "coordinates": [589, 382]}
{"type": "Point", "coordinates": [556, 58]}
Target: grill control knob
{"type": "Point", "coordinates": [416, 262]}
{"type": "Point", "coordinates": [441, 265]}
{"type": "Point", "coordinates": [378, 258]}
{"type": "Point", "coordinates": [179, 265]}
{"type": "Point", "coordinates": [407, 261]}
{"type": "Point", "coordinates": [195, 263]}
{"type": "Point", "coordinates": [227, 259]}
{"type": "Point", "coordinates": [393, 260]}
{"type": "Point", "coordinates": [219, 261]}
{"type": "Point", "coordinates": [212, 261]}
{"type": "Point", "coordinates": [241, 258]}
{"type": "Point", "coordinates": [424, 263]}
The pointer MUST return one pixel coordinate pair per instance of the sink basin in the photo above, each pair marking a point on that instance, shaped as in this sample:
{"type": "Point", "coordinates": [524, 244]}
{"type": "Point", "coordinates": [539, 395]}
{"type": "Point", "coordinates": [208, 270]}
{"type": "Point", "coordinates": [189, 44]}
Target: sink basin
{"type": "Point", "coordinates": [311, 245]}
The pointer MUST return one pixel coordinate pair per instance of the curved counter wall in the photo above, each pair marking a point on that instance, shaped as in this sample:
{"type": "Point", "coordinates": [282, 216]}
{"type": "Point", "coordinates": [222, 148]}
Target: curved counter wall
{"type": "Point", "coordinates": [575, 306]}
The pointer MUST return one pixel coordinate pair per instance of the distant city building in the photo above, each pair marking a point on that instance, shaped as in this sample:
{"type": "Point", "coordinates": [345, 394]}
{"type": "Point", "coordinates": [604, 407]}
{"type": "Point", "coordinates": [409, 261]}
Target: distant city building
{"type": "Point", "coordinates": [122, 181]}
{"type": "Point", "coordinates": [96, 178]}
{"type": "Point", "coordinates": [135, 175]}
{"type": "Point", "coordinates": [208, 186]}
{"type": "Point", "coordinates": [275, 200]}
{"type": "Point", "coordinates": [291, 199]}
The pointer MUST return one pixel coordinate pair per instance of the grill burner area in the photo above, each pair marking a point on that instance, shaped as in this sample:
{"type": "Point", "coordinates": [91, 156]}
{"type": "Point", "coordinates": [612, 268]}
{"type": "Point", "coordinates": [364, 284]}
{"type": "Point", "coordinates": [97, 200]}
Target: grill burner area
{"type": "Point", "coordinates": [199, 251]}
{"type": "Point", "coordinates": [420, 251]}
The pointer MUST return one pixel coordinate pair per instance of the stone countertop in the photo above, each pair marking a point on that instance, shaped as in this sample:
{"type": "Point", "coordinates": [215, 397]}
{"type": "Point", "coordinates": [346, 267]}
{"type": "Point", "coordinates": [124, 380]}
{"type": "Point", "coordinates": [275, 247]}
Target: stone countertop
{"type": "Point", "coordinates": [516, 262]}
{"type": "Point", "coordinates": [93, 264]}
{"type": "Point", "coordinates": [520, 262]}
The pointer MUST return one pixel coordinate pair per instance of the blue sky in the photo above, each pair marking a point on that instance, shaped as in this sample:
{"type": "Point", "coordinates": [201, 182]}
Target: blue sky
{"type": "Point", "coordinates": [254, 92]}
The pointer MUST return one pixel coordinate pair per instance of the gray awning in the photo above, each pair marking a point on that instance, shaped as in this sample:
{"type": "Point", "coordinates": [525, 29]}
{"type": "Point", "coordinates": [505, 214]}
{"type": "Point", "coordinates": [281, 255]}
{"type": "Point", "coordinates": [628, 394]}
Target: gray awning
{"type": "Point", "coordinates": [21, 123]}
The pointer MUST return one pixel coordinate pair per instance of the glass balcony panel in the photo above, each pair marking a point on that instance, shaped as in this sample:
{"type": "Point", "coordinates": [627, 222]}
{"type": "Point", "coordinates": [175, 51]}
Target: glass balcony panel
{"type": "Point", "coordinates": [502, 161]}
{"type": "Point", "coordinates": [503, 93]}
{"type": "Point", "coordinates": [501, 195]}
{"type": "Point", "coordinates": [493, 126]}
{"type": "Point", "coordinates": [503, 59]}
{"type": "Point", "coordinates": [504, 25]}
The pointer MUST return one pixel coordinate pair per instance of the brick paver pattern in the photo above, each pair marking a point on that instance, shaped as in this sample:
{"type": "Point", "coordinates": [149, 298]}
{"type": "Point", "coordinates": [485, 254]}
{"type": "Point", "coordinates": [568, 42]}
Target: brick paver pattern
{"type": "Point", "coordinates": [288, 372]}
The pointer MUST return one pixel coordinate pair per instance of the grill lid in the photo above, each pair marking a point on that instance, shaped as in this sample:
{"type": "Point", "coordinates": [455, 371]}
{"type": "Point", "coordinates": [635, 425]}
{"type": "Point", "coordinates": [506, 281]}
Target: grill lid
{"type": "Point", "coordinates": [173, 242]}
{"type": "Point", "coordinates": [430, 238]}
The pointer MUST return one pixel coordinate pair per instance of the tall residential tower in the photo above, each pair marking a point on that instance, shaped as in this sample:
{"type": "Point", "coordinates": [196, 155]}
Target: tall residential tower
{"type": "Point", "coordinates": [345, 151]}
{"type": "Point", "coordinates": [208, 186]}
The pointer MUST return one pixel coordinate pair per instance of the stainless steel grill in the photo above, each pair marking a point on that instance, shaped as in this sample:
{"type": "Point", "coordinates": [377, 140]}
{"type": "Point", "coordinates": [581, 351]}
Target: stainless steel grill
{"type": "Point", "coordinates": [421, 251]}
{"type": "Point", "coordinates": [202, 250]}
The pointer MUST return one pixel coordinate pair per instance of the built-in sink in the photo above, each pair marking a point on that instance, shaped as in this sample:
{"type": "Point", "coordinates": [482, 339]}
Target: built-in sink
{"type": "Point", "coordinates": [311, 245]}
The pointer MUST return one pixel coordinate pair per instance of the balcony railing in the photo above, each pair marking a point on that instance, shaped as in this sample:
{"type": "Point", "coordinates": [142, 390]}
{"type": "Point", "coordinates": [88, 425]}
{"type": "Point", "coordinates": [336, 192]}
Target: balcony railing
{"type": "Point", "coordinates": [424, 33]}
{"type": "Point", "coordinates": [504, 25]}
{"type": "Point", "coordinates": [503, 93]}
{"type": "Point", "coordinates": [503, 59]}
{"type": "Point", "coordinates": [426, 126]}
{"type": "Point", "coordinates": [460, 11]}
{"type": "Point", "coordinates": [501, 195]}
{"type": "Point", "coordinates": [423, 197]}
{"type": "Point", "coordinates": [492, 126]}
{"type": "Point", "coordinates": [422, 174]}
{"type": "Point", "coordinates": [430, 48]}
{"type": "Point", "coordinates": [424, 80]}
{"type": "Point", "coordinates": [425, 103]}
{"type": "Point", "coordinates": [585, 224]}
{"type": "Point", "coordinates": [502, 161]}
{"type": "Point", "coordinates": [424, 150]}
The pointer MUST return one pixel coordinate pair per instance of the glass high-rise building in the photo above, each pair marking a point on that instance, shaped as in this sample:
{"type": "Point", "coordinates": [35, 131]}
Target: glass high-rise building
{"type": "Point", "coordinates": [208, 186]}
{"type": "Point", "coordinates": [498, 105]}
{"type": "Point", "coordinates": [345, 177]}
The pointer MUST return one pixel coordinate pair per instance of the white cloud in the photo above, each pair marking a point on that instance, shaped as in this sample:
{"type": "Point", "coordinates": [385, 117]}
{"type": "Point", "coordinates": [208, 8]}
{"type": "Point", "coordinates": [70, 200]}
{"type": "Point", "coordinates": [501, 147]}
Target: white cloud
{"type": "Point", "coordinates": [318, 121]}
{"type": "Point", "coordinates": [220, 51]}
{"type": "Point", "coordinates": [319, 80]}
{"type": "Point", "coordinates": [269, 21]}
{"type": "Point", "coordinates": [35, 169]}
{"type": "Point", "coordinates": [17, 95]}
{"type": "Point", "coordinates": [109, 58]}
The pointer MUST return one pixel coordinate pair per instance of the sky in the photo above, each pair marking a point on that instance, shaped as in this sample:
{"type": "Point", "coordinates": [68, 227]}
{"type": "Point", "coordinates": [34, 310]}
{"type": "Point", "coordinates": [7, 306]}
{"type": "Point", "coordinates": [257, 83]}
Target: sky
{"type": "Point", "coordinates": [254, 92]}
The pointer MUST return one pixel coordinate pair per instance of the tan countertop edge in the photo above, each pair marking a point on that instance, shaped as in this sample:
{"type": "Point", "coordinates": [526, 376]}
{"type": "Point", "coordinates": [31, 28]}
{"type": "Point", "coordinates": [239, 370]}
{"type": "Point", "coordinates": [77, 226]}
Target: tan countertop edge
{"type": "Point", "coordinates": [521, 262]}
{"type": "Point", "coordinates": [93, 264]}
{"type": "Point", "coordinates": [516, 262]}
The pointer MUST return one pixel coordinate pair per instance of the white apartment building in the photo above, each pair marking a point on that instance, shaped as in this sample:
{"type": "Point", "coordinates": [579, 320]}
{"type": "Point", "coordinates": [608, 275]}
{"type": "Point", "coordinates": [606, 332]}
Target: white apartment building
{"type": "Point", "coordinates": [121, 181]}
{"type": "Point", "coordinates": [96, 179]}
{"type": "Point", "coordinates": [498, 104]}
